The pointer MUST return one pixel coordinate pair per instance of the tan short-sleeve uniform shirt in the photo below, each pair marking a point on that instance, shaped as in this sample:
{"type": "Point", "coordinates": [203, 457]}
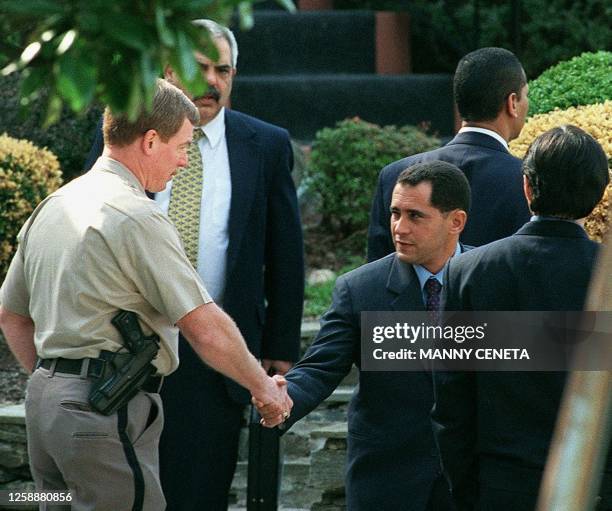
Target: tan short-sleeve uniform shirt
{"type": "Point", "coordinates": [97, 245]}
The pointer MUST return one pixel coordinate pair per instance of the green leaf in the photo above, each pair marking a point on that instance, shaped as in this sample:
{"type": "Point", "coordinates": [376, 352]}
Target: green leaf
{"type": "Point", "coordinates": [149, 77]}
{"type": "Point", "coordinates": [136, 99]}
{"type": "Point", "coordinates": [34, 78]}
{"type": "Point", "coordinates": [54, 109]}
{"type": "Point", "coordinates": [188, 67]}
{"type": "Point", "coordinates": [40, 7]}
{"type": "Point", "coordinates": [76, 79]}
{"type": "Point", "coordinates": [116, 81]}
{"type": "Point", "coordinates": [128, 30]}
{"type": "Point", "coordinates": [89, 21]}
{"type": "Point", "coordinates": [165, 34]}
{"type": "Point", "coordinates": [287, 4]}
{"type": "Point", "coordinates": [245, 13]}
{"type": "Point", "coordinates": [197, 86]}
{"type": "Point", "coordinates": [203, 8]}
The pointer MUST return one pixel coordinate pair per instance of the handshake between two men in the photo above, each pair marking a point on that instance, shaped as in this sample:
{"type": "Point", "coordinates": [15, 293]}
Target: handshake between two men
{"type": "Point", "coordinates": [216, 339]}
{"type": "Point", "coordinates": [269, 410]}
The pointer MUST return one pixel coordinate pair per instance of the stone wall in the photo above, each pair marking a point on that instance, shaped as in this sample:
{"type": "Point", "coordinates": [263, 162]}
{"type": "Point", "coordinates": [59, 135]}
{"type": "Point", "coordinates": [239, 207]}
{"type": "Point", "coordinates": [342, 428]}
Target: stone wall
{"type": "Point", "coordinates": [14, 468]}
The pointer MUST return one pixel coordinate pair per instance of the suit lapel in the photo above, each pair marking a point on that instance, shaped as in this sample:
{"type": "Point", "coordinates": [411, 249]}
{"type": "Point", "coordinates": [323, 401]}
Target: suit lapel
{"type": "Point", "coordinates": [404, 284]}
{"type": "Point", "coordinates": [245, 169]}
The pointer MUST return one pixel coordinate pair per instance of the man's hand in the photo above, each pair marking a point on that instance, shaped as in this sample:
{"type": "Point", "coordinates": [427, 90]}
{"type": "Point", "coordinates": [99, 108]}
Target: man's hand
{"type": "Point", "coordinates": [274, 410]}
{"type": "Point", "coordinates": [19, 334]}
{"type": "Point", "coordinates": [273, 367]}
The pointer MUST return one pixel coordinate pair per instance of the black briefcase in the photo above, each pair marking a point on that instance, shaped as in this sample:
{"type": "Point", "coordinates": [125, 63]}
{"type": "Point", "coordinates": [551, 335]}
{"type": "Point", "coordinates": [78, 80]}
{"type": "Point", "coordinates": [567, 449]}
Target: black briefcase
{"type": "Point", "coordinates": [264, 469]}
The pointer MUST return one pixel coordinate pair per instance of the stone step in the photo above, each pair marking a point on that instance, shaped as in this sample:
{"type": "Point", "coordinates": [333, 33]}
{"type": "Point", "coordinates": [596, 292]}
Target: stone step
{"type": "Point", "coordinates": [306, 480]}
{"type": "Point", "coordinates": [296, 442]}
{"type": "Point", "coordinates": [307, 42]}
{"type": "Point", "coordinates": [304, 104]}
{"type": "Point", "coordinates": [294, 490]}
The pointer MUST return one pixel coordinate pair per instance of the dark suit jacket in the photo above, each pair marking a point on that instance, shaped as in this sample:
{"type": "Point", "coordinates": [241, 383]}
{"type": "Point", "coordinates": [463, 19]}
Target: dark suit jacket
{"type": "Point", "coordinates": [498, 205]}
{"type": "Point", "coordinates": [264, 289]}
{"type": "Point", "coordinates": [494, 429]}
{"type": "Point", "coordinates": [392, 460]}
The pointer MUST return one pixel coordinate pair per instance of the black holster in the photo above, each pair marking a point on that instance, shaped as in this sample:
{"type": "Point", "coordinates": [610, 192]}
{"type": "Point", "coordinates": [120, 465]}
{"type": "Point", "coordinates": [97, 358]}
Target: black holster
{"type": "Point", "coordinates": [124, 373]}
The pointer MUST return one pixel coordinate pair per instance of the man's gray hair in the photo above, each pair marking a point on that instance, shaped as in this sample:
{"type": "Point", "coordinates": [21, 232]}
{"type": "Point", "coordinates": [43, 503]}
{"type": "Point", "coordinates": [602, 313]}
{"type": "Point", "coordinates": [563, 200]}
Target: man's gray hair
{"type": "Point", "coordinates": [220, 32]}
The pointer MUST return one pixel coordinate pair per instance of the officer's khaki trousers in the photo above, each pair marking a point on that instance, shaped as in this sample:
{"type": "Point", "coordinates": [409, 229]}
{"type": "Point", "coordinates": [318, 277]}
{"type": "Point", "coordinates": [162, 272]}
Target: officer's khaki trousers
{"type": "Point", "coordinates": [107, 463]}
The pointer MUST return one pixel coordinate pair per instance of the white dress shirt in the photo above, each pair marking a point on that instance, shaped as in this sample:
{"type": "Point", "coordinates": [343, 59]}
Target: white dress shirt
{"type": "Point", "coordinates": [485, 131]}
{"type": "Point", "coordinates": [215, 206]}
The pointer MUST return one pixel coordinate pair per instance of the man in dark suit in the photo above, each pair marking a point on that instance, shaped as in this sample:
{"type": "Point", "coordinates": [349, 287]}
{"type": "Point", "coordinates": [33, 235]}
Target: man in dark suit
{"type": "Point", "coordinates": [491, 94]}
{"type": "Point", "coordinates": [494, 429]}
{"type": "Point", "coordinates": [249, 254]}
{"type": "Point", "coordinates": [392, 460]}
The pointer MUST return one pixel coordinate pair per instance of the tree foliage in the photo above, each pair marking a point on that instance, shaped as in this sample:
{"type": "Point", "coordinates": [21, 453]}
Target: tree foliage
{"type": "Point", "coordinates": [87, 50]}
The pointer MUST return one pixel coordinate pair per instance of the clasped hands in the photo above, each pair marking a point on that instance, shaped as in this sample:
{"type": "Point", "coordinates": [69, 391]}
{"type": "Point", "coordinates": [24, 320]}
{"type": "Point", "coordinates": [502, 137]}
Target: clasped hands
{"type": "Point", "coordinates": [274, 405]}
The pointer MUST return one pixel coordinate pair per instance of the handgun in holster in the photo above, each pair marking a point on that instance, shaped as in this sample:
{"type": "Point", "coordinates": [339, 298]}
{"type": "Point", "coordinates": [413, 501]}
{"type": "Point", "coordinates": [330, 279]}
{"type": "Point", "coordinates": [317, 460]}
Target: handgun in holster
{"type": "Point", "coordinates": [124, 373]}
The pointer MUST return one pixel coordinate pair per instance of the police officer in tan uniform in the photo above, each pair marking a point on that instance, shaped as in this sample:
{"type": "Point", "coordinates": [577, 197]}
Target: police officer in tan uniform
{"type": "Point", "coordinates": [96, 246]}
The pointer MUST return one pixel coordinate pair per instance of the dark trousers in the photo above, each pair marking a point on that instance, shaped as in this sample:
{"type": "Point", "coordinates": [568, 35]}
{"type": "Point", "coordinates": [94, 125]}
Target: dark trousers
{"type": "Point", "coordinates": [199, 444]}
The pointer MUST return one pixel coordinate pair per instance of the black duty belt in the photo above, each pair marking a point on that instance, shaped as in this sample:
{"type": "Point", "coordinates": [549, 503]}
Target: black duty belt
{"type": "Point", "coordinates": [95, 366]}
{"type": "Point", "coordinates": [95, 369]}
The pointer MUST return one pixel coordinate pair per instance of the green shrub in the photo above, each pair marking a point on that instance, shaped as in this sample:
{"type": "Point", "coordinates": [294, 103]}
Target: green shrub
{"type": "Point", "coordinates": [70, 139]}
{"type": "Point", "coordinates": [345, 162]}
{"type": "Point", "coordinates": [27, 175]}
{"type": "Point", "coordinates": [317, 297]}
{"type": "Point", "coordinates": [583, 80]}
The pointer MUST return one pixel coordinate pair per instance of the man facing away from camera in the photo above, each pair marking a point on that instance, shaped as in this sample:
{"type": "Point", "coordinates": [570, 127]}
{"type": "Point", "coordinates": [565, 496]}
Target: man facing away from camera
{"type": "Point", "coordinates": [490, 90]}
{"type": "Point", "coordinates": [93, 248]}
{"type": "Point", "coordinates": [494, 428]}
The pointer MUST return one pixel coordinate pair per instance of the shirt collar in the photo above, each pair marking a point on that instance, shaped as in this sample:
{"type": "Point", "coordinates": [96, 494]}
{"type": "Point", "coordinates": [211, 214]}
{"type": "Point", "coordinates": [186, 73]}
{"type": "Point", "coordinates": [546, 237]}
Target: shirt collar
{"type": "Point", "coordinates": [423, 274]}
{"type": "Point", "coordinates": [539, 218]}
{"type": "Point", "coordinates": [215, 129]}
{"type": "Point", "coordinates": [106, 164]}
{"type": "Point", "coordinates": [485, 131]}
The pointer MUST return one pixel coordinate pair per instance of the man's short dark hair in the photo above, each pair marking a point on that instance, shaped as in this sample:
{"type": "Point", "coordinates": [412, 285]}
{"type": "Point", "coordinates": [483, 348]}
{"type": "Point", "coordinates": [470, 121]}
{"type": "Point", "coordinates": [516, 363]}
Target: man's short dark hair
{"type": "Point", "coordinates": [483, 80]}
{"type": "Point", "coordinates": [567, 171]}
{"type": "Point", "coordinates": [450, 189]}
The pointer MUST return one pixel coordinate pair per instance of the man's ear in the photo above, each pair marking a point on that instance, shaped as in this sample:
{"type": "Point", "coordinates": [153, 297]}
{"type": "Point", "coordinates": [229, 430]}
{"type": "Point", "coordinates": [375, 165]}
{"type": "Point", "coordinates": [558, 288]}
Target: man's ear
{"type": "Point", "coordinates": [510, 105]}
{"type": "Point", "coordinates": [149, 142]}
{"type": "Point", "coordinates": [458, 218]}
{"type": "Point", "coordinates": [527, 190]}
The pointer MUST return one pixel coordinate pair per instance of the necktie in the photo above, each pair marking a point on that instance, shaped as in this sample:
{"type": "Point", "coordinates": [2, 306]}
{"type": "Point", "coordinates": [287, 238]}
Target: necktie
{"type": "Point", "coordinates": [186, 199]}
{"type": "Point", "coordinates": [432, 293]}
